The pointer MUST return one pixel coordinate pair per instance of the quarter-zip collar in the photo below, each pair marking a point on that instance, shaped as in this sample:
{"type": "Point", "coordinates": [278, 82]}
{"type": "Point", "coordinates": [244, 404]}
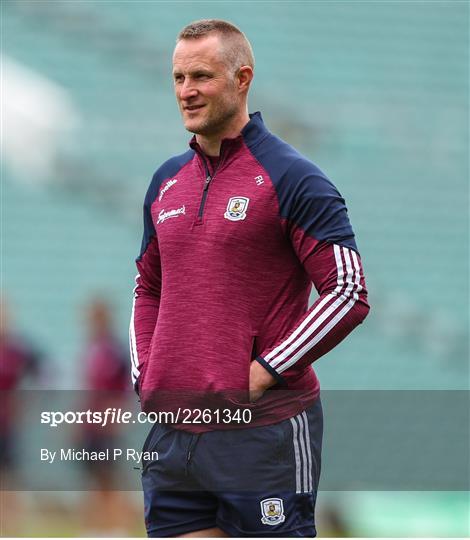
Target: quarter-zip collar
{"type": "Point", "coordinates": [255, 131]}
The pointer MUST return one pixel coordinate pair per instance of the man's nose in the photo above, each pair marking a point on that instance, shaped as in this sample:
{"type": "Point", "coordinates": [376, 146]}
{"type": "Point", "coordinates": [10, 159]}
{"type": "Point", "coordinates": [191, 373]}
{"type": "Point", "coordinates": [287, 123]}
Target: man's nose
{"type": "Point", "coordinates": [187, 89]}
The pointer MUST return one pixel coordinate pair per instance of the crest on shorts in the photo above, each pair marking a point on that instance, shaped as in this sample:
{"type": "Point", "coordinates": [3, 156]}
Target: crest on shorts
{"type": "Point", "coordinates": [236, 208]}
{"type": "Point", "coordinates": [272, 511]}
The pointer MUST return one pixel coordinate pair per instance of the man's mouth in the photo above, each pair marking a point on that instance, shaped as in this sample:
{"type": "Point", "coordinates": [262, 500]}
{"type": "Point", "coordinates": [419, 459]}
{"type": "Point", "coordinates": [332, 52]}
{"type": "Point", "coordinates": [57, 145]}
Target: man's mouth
{"type": "Point", "coordinates": [192, 108]}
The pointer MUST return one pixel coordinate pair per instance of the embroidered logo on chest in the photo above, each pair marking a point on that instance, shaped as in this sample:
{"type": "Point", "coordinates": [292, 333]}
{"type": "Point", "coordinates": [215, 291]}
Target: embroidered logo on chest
{"type": "Point", "coordinates": [236, 208]}
{"type": "Point", "coordinates": [164, 215]}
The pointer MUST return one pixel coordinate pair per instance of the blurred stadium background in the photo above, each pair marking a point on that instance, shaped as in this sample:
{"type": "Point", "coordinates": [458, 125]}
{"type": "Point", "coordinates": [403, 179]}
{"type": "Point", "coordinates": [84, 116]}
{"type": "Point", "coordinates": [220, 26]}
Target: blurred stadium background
{"type": "Point", "coordinates": [376, 93]}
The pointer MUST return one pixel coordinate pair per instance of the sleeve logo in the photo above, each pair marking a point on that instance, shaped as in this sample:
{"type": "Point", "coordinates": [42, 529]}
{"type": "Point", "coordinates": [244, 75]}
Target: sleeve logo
{"type": "Point", "coordinates": [236, 208]}
{"type": "Point", "coordinates": [272, 511]}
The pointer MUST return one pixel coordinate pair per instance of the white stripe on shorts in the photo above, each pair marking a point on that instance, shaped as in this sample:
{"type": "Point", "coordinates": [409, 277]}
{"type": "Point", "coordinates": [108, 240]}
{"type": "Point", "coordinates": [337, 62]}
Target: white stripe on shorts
{"type": "Point", "coordinates": [302, 453]}
{"type": "Point", "coordinates": [309, 453]}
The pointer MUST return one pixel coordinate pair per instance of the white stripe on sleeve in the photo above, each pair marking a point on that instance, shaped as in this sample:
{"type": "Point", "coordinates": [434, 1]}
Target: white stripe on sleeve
{"type": "Point", "coordinates": [341, 305]}
{"type": "Point", "coordinates": [318, 308]}
{"type": "Point", "coordinates": [132, 341]}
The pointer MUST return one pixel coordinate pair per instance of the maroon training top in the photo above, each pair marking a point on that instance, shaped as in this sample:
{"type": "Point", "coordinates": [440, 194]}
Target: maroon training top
{"type": "Point", "coordinates": [226, 268]}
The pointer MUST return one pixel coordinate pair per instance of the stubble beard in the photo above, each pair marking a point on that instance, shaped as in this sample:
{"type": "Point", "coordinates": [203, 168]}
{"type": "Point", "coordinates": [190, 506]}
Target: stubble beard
{"type": "Point", "coordinates": [217, 121]}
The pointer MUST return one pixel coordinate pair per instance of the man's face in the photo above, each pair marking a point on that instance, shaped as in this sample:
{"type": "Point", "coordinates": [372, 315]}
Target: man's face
{"type": "Point", "coordinates": [206, 90]}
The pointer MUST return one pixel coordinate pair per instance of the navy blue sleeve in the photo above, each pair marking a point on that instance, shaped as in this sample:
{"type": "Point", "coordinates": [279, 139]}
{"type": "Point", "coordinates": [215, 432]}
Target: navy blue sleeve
{"type": "Point", "coordinates": [306, 197]}
{"type": "Point", "coordinates": [309, 200]}
{"type": "Point", "coordinates": [167, 170]}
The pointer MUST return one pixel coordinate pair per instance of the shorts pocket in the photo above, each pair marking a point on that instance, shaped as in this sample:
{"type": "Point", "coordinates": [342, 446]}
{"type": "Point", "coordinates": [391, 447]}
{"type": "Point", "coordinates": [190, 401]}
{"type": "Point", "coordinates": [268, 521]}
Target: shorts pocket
{"type": "Point", "coordinates": [285, 439]}
{"type": "Point", "coordinates": [150, 444]}
{"type": "Point", "coordinates": [150, 440]}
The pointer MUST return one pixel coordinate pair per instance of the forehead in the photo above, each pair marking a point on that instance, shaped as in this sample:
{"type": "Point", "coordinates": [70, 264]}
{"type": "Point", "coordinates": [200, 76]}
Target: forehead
{"type": "Point", "coordinates": [203, 51]}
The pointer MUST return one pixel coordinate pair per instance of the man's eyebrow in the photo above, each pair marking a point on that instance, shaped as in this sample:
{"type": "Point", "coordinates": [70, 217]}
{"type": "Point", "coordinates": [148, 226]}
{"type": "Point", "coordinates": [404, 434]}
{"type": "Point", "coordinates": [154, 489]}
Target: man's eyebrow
{"type": "Point", "coordinates": [193, 71]}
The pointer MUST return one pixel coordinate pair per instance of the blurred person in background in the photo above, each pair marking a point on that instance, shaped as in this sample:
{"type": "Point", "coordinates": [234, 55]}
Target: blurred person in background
{"type": "Point", "coordinates": [105, 379]}
{"type": "Point", "coordinates": [20, 364]}
{"type": "Point", "coordinates": [236, 229]}
{"type": "Point", "coordinates": [104, 365]}
{"type": "Point", "coordinates": [104, 358]}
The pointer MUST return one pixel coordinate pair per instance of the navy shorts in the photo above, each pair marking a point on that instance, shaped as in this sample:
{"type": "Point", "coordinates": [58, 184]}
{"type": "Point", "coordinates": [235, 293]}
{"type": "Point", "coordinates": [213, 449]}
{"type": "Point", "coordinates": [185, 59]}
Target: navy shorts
{"type": "Point", "coordinates": [259, 482]}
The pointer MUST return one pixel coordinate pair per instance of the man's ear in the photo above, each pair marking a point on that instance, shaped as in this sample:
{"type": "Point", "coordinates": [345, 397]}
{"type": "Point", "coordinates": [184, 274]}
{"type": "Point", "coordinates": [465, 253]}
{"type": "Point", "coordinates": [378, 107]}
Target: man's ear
{"type": "Point", "coordinates": [244, 77]}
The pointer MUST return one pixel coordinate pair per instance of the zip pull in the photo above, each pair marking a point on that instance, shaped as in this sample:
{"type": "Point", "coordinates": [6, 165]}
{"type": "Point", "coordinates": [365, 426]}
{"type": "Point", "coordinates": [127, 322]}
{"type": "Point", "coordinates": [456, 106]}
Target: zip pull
{"type": "Point", "coordinates": [207, 182]}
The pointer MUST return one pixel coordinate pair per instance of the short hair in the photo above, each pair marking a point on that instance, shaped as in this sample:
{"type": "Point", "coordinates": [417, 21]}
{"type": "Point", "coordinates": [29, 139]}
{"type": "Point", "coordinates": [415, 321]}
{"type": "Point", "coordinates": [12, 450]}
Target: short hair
{"type": "Point", "coordinates": [237, 49]}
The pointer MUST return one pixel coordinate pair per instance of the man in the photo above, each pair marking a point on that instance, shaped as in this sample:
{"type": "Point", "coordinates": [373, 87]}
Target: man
{"type": "Point", "coordinates": [103, 362]}
{"type": "Point", "coordinates": [236, 229]}
{"type": "Point", "coordinates": [19, 362]}
{"type": "Point", "coordinates": [21, 366]}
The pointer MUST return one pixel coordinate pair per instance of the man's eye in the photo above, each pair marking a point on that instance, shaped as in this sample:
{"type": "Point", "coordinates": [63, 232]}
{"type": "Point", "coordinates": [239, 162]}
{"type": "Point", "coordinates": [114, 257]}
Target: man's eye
{"type": "Point", "coordinates": [202, 76]}
{"type": "Point", "coordinates": [178, 78]}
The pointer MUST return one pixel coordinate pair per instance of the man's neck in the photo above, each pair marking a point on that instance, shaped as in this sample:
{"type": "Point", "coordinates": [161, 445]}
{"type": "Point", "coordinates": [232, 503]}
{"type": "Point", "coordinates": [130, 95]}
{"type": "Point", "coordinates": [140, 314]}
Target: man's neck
{"type": "Point", "coordinates": [211, 145]}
